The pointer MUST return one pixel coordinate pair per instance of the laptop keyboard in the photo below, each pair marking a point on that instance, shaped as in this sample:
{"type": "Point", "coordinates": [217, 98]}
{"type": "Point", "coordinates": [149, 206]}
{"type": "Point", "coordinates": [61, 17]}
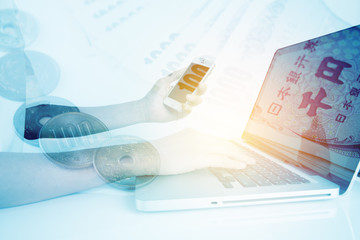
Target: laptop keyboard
{"type": "Point", "coordinates": [263, 173]}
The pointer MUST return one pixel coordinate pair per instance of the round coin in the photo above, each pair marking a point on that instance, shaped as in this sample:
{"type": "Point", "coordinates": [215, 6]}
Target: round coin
{"type": "Point", "coordinates": [32, 115]}
{"type": "Point", "coordinates": [70, 139]}
{"type": "Point", "coordinates": [27, 74]}
{"type": "Point", "coordinates": [17, 29]}
{"type": "Point", "coordinates": [127, 162]}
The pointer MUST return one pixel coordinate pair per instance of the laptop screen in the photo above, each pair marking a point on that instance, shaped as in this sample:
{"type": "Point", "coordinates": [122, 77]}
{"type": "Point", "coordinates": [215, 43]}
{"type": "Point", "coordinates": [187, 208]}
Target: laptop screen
{"type": "Point", "coordinates": [308, 109]}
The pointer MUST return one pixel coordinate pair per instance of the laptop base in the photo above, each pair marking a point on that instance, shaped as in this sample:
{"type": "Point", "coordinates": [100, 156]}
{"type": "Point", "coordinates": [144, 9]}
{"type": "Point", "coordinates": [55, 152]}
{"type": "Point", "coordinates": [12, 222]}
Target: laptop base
{"type": "Point", "coordinates": [201, 189]}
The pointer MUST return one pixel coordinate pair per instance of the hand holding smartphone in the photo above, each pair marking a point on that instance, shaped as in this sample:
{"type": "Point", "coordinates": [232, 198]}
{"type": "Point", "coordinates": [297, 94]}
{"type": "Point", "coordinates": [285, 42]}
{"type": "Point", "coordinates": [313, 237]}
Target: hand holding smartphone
{"type": "Point", "coordinates": [196, 72]}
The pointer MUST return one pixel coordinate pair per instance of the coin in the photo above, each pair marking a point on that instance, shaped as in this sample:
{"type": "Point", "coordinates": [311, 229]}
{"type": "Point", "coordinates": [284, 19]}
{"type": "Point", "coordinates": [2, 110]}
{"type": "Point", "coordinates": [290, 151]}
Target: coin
{"type": "Point", "coordinates": [32, 115]}
{"type": "Point", "coordinates": [17, 29]}
{"type": "Point", "coordinates": [127, 162]}
{"type": "Point", "coordinates": [27, 74]}
{"type": "Point", "coordinates": [70, 139]}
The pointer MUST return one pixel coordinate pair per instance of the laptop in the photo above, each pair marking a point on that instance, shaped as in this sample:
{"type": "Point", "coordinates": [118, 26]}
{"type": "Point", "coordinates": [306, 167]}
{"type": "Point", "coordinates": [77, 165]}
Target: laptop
{"type": "Point", "coordinates": [304, 132]}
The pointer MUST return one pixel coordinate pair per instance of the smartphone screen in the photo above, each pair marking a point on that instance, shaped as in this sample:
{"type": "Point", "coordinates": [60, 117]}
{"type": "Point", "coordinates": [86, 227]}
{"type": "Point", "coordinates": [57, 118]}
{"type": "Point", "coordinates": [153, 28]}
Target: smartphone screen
{"type": "Point", "coordinates": [188, 83]}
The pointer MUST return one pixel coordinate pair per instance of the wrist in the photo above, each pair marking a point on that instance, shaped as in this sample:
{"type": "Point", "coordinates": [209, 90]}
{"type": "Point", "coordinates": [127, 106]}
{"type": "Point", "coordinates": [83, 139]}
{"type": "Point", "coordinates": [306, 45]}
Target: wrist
{"type": "Point", "coordinates": [144, 110]}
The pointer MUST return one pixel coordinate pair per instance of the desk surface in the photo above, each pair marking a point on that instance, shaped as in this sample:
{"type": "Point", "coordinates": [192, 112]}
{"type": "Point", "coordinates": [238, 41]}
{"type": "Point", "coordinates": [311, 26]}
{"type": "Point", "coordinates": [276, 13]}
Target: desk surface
{"type": "Point", "coordinates": [106, 213]}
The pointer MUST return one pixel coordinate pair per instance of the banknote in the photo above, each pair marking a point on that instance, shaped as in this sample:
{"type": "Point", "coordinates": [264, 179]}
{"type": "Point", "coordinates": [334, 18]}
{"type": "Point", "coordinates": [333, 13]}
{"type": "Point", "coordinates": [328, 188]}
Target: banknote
{"type": "Point", "coordinates": [312, 90]}
{"type": "Point", "coordinates": [190, 30]}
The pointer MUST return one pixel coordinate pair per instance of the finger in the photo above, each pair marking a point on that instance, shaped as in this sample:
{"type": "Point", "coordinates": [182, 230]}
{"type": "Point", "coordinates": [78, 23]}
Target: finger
{"type": "Point", "coordinates": [224, 162]}
{"type": "Point", "coordinates": [193, 100]}
{"type": "Point", "coordinates": [187, 108]}
{"type": "Point", "coordinates": [201, 89]}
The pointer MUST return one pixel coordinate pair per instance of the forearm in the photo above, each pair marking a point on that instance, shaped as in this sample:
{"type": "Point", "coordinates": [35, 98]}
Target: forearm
{"type": "Point", "coordinates": [120, 115]}
{"type": "Point", "coordinates": [31, 177]}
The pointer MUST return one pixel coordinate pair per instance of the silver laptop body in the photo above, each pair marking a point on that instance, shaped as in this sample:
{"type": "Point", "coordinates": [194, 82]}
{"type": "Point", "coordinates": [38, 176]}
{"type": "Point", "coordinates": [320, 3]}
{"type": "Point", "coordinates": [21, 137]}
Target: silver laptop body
{"type": "Point", "coordinates": [303, 132]}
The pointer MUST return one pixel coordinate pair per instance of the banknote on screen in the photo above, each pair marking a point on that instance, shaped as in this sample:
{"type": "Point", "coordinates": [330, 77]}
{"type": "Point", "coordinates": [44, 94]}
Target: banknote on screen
{"type": "Point", "coordinates": [312, 90]}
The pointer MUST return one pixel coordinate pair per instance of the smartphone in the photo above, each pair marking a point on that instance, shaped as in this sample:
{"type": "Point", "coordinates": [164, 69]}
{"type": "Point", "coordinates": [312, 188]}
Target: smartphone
{"type": "Point", "coordinates": [197, 71]}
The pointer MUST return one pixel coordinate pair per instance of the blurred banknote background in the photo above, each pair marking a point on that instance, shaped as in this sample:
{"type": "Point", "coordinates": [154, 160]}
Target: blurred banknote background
{"type": "Point", "coordinates": [94, 53]}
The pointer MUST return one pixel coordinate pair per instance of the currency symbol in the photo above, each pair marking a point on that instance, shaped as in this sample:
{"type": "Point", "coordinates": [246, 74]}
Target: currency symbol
{"type": "Point", "coordinates": [331, 73]}
{"type": "Point", "coordinates": [314, 103]}
{"type": "Point", "coordinates": [340, 118]}
{"type": "Point", "coordinates": [282, 93]}
{"type": "Point", "coordinates": [274, 109]}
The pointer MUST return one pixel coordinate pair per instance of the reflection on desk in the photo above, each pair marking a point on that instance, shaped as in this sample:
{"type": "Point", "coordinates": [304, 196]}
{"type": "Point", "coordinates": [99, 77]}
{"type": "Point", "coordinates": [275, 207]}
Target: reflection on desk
{"type": "Point", "coordinates": [108, 213]}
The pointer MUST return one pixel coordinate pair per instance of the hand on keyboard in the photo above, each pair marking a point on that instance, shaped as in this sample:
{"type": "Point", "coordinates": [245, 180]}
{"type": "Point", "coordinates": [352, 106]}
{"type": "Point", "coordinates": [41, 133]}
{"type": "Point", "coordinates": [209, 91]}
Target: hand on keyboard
{"type": "Point", "coordinates": [190, 150]}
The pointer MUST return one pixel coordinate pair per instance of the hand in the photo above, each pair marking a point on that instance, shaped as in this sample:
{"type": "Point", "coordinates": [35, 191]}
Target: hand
{"type": "Point", "coordinates": [189, 150]}
{"type": "Point", "coordinates": [153, 101]}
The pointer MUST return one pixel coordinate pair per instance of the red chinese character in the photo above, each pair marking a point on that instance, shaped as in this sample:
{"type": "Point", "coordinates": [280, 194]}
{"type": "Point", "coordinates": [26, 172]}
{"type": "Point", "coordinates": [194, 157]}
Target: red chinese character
{"type": "Point", "coordinates": [274, 109]}
{"type": "Point", "coordinates": [314, 103]}
{"type": "Point", "coordinates": [293, 77]}
{"type": "Point", "coordinates": [283, 93]}
{"type": "Point", "coordinates": [347, 104]}
{"type": "Point", "coordinates": [340, 118]}
{"type": "Point", "coordinates": [355, 92]}
{"type": "Point", "coordinates": [331, 73]}
{"type": "Point", "coordinates": [310, 45]}
{"type": "Point", "coordinates": [300, 60]}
